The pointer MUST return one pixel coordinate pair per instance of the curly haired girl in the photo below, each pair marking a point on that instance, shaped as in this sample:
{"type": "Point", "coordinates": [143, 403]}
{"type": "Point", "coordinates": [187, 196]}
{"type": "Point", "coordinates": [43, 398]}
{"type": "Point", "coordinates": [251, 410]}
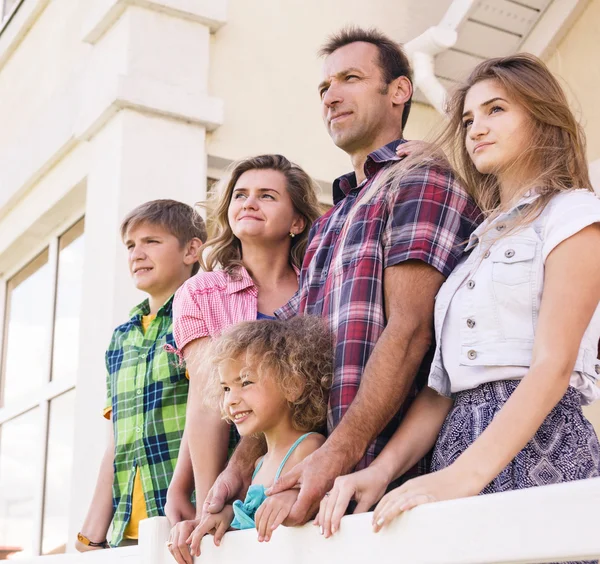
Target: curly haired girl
{"type": "Point", "coordinates": [269, 378]}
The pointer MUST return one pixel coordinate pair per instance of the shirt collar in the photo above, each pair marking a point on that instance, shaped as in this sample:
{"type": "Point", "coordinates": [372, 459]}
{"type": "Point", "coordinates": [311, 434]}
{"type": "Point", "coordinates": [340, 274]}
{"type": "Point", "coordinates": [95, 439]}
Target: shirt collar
{"type": "Point", "coordinates": [241, 280]}
{"type": "Point", "coordinates": [376, 160]}
{"type": "Point", "coordinates": [143, 308]}
{"type": "Point", "coordinates": [529, 197]}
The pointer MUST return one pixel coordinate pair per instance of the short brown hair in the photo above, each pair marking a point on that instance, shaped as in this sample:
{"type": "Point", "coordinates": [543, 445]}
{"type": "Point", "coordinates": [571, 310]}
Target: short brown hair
{"type": "Point", "coordinates": [393, 62]}
{"type": "Point", "coordinates": [179, 219]}
{"type": "Point", "coordinates": [297, 354]}
{"type": "Point", "coordinates": [224, 249]}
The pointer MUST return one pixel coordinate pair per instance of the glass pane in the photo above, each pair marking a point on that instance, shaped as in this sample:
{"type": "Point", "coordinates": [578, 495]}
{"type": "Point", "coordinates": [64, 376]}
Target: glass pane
{"type": "Point", "coordinates": [19, 448]}
{"type": "Point", "coordinates": [58, 473]}
{"type": "Point", "coordinates": [29, 310]}
{"type": "Point", "coordinates": [9, 5]}
{"type": "Point", "coordinates": [68, 304]}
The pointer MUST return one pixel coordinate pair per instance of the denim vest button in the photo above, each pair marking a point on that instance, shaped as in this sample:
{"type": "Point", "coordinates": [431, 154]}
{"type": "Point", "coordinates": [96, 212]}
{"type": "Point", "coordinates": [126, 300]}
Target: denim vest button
{"type": "Point", "coordinates": [470, 323]}
{"type": "Point", "coordinates": [510, 253]}
{"type": "Point", "coordinates": [472, 355]}
{"type": "Point", "coordinates": [471, 284]}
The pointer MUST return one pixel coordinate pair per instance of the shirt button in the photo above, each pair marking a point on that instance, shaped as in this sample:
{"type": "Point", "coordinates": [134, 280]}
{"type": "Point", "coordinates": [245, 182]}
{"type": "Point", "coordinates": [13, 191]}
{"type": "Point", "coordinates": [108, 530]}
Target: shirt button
{"type": "Point", "coordinates": [510, 253]}
{"type": "Point", "coordinates": [138, 429]}
{"type": "Point", "coordinates": [471, 284]}
{"type": "Point", "coordinates": [597, 368]}
{"type": "Point", "coordinates": [487, 254]}
{"type": "Point", "coordinates": [470, 323]}
{"type": "Point", "coordinates": [501, 227]}
{"type": "Point", "coordinates": [472, 355]}
{"type": "Point", "coordinates": [138, 392]}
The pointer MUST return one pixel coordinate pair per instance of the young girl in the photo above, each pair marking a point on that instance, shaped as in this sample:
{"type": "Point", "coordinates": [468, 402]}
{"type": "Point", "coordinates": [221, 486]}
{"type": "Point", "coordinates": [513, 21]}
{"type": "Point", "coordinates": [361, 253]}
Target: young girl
{"type": "Point", "coordinates": [267, 384]}
{"type": "Point", "coordinates": [517, 322]}
{"type": "Point", "coordinates": [249, 268]}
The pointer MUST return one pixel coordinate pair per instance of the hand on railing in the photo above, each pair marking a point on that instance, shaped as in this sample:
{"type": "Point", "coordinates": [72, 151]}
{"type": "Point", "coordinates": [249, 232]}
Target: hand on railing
{"type": "Point", "coordinates": [178, 545]}
{"type": "Point", "coordinates": [366, 487]}
{"type": "Point", "coordinates": [212, 523]}
{"type": "Point", "coordinates": [273, 512]}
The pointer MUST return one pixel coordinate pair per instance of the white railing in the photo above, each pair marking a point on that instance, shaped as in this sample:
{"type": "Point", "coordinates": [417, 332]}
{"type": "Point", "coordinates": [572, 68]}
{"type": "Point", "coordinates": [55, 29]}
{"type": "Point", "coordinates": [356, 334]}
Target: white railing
{"type": "Point", "coordinates": [546, 524]}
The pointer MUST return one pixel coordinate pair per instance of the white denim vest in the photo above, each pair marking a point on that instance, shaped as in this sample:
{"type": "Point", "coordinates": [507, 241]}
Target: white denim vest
{"type": "Point", "coordinates": [500, 283]}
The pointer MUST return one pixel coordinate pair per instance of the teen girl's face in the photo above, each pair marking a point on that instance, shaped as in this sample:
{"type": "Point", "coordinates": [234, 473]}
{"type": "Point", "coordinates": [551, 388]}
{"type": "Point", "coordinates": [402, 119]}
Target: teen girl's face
{"type": "Point", "coordinates": [497, 131]}
{"type": "Point", "coordinates": [261, 208]}
{"type": "Point", "coordinates": [254, 404]}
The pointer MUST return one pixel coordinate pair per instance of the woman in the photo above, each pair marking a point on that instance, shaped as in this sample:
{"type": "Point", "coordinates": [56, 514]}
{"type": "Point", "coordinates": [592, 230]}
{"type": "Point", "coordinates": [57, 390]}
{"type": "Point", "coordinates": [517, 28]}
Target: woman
{"type": "Point", "coordinates": [249, 269]}
{"type": "Point", "coordinates": [517, 323]}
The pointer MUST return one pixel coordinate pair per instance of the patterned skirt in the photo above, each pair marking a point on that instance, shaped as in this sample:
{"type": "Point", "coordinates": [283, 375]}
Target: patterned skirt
{"type": "Point", "coordinates": [565, 447]}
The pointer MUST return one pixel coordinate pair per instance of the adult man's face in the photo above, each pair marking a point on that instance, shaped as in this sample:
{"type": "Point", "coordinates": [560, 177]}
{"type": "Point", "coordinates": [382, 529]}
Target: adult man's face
{"type": "Point", "coordinates": [355, 101]}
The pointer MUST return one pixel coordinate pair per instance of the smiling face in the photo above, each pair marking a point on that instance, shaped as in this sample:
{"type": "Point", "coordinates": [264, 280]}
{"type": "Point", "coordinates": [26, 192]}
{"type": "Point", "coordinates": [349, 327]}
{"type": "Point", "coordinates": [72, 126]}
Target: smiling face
{"type": "Point", "coordinates": [358, 108]}
{"type": "Point", "coordinates": [157, 261]}
{"type": "Point", "coordinates": [254, 403]}
{"type": "Point", "coordinates": [497, 129]}
{"type": "Point", "coordinates": [261, 208]}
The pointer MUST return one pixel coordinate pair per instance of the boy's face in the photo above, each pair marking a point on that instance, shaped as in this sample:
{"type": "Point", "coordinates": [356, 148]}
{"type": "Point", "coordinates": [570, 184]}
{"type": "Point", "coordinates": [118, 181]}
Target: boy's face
{"type": "Point", "coordinates": [158, 264]}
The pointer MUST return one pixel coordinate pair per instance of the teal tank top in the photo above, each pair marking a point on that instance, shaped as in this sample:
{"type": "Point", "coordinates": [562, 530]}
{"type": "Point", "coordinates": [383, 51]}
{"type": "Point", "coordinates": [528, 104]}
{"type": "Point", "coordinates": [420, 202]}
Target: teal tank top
{"type": "Point", "coordinates": [244, 511]}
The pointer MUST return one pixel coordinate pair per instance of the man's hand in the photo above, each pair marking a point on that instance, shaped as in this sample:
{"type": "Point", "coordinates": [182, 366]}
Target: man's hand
{"type": "Point", "coordinates": [228, 486]}
{"type": "Point", "coordinates": [177, 545]}
{"type": "Point", "coordinates": [213, 523]}
{"type": "Point", "coordinates": [273, 512]}
{"type": "Point", "coordinates": [314, 476]}
{"type": "Point", "coordinates": [366, 487]}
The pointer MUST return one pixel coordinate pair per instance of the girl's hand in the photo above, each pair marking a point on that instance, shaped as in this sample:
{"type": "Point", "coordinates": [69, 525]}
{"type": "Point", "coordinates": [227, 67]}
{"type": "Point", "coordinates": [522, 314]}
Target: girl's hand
{"type": "Point", "coordinates": [365, 487]}
{"type": "Point", "coordinates": [273, 512]}
{"type": "Point", "coordinates": [177, 541]}
{"type": "Point", "coordinates": [438, 486]}
{"type": "Point", "coordinates": [213, 523]}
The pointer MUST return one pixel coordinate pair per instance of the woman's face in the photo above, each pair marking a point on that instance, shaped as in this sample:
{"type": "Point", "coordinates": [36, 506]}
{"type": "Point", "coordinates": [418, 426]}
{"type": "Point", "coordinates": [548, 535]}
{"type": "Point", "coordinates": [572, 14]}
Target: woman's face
{"type": "Point", "coordinates": [497, 129]}
{"type": "Point", "coordinates": [261, 208]}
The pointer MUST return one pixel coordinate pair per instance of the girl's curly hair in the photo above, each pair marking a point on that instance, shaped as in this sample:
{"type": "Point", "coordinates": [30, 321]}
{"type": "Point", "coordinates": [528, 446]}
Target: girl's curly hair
{"type": "Point", "coordinates": [297, 354]}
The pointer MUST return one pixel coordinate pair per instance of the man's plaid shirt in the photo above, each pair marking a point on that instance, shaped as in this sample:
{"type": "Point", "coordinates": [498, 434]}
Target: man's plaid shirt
{"type": "Point", "coordinates": [147, 391]}
{"type": "Point", "coordinates": [427, 218]}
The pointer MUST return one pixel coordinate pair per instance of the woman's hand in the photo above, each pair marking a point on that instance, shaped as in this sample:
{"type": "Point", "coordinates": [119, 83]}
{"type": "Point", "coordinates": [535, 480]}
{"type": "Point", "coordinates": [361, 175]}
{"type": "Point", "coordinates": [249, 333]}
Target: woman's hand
{"type": "Point", "coordinates": [177, 541]}
{"type": "Point", "coordinates": [438, 486]}
{"type": "Point", "coordinates": [365, 487]}
{"type": "Point", "coordinates": [212, 523]}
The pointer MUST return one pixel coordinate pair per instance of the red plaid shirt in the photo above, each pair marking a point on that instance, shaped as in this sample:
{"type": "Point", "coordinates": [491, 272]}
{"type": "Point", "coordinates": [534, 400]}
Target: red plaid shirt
{"type": "Point", "coordinates": [426, 218]}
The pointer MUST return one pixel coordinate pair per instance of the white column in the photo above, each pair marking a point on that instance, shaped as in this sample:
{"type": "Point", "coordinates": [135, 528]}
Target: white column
{"type": "Point", "coordinates": [145, 113]}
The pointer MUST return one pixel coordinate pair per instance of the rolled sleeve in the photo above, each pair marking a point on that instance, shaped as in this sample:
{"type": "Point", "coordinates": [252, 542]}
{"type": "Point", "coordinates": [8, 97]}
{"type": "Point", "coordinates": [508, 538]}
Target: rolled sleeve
{"type": "Point", "coordinates": [188, 323]}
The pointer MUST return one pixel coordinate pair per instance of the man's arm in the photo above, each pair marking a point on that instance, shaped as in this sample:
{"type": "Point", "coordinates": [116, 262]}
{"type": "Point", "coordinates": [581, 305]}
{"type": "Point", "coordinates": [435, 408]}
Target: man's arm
{"type": "Point", "coordinates": [409, 293]}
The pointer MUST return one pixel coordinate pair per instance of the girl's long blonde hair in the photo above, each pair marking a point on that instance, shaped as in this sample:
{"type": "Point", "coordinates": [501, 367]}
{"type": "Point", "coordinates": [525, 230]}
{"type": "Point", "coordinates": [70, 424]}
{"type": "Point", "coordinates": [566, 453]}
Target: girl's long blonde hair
{"type": "Point", "coordinates": [556, 157]}
{"type": "Point", "coordinates": [223, 249]}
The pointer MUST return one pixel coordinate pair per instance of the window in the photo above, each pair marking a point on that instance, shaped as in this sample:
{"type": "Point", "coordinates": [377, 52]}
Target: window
{"type": "Point", "coordinates": [37, 395]}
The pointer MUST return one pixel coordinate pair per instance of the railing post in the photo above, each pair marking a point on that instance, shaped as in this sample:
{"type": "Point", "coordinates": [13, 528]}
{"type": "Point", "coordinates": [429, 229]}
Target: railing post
{"type": "Point", "coordinates": [153, 536]}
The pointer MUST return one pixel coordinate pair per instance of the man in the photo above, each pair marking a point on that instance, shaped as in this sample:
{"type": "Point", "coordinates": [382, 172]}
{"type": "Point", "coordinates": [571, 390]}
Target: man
{"type": "Point", "coordinates": [373, 266]}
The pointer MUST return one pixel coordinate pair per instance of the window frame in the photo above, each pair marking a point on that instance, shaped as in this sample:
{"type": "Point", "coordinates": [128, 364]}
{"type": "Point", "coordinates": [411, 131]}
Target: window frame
{"type": "Point", "coordinates": [50, 389]}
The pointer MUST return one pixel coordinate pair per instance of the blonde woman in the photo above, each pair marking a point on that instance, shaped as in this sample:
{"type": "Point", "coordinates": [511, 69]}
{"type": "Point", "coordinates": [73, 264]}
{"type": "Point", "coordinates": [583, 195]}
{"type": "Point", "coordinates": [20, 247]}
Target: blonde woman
{"type": "Point", "coordinates": [517, 322]}
{"type": "Point", "coordinates": [249, 269]}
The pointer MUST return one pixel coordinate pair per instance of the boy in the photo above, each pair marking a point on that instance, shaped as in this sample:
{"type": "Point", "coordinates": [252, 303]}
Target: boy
{"type": "Point", "coordinates": [146, 388]}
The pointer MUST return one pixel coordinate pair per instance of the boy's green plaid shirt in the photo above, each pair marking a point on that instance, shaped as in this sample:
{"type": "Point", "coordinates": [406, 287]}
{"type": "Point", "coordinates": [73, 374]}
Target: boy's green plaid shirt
{"type": "Point", "coordinates": [147, 390]}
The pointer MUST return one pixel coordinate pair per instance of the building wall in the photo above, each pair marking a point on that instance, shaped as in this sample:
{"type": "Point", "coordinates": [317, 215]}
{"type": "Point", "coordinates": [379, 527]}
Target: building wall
{"type": "Point", "coordinates": [575, 62]}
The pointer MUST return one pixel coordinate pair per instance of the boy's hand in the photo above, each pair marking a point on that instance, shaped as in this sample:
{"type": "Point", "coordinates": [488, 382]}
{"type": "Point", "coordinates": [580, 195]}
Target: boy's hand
{"type": "Point", "coordinates": [213, 523]}
{"type": "Point", "coordinates": [177, 545]}
{"type": "Point", "coordinates": [273, 512]}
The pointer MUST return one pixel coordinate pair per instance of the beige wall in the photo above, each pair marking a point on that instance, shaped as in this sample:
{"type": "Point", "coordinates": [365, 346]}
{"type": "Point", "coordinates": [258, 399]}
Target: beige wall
{"type": "Point", "coordinates": [576, 62]}
{"type": "Point", "coordinates": [40, 67]}
{"type": "Point", "coordinates": [264, 66]}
